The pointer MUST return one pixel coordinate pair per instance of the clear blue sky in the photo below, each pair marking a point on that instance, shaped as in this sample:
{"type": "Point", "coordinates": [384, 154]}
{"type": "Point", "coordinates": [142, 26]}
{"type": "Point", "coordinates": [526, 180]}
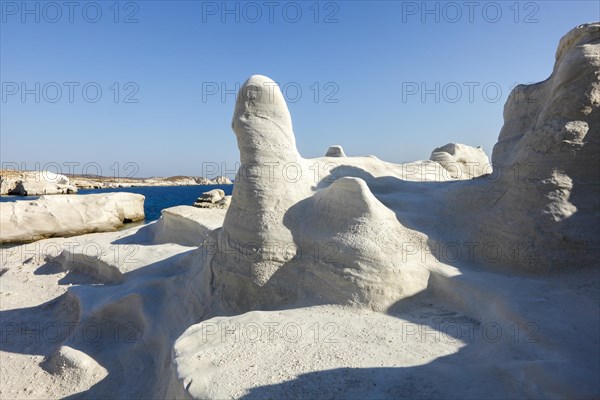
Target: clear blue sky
{"type": "Point", "coordinates": [357, 73]}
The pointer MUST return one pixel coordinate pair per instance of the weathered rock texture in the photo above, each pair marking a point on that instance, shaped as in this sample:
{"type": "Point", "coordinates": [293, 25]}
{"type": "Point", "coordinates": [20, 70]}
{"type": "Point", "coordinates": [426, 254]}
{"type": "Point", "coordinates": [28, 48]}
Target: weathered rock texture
{"type": "Point", "coordinates": [254, 222]}
{"type": "Point", "coordinates": [213, 199]}
{"type": "Point", "coordinates": [372, 226]}
{"type": "Point", "coordinates": [310, 229]}
{"type": "Point", "coordinates": [346, 277]}
{"type": "Point", "coordinates": [221, 180]}
{"type": "Point", "coordinates": [371, 234]}
{"type": "Point", "coordinates": [34, 183]}
{"type": "Point", "coordinates": [98, 182]}
{"type": "Point", "coordinates": [66, 215]}
{"type": "Point", "coordinates": [544, 196]}
{"type": "Point", "coordinates": [335, 151]}
{"type": "Point", "coordinates": [187, 225]}
{"type": "Point", "coordinates": [462, 161]}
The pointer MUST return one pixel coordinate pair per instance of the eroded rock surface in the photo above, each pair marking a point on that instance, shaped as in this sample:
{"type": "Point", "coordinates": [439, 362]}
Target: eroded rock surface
{"type": "Point", "coordinates": [544, 195]}
{"type": "Point", "coordinates": [187, 225]}
{"type": "Point", "coordinates": [382, 278]}
{"type": "Point", "coordinates": [66, 215]}
{"type": "Point", "coordinates": [213, 199]}
{"type": "Point", "coordinates": [335, 151]}
{"type": "Point", "coordinates": [462, 161]}
{"type": "Point", "coordinates": [34, 183]}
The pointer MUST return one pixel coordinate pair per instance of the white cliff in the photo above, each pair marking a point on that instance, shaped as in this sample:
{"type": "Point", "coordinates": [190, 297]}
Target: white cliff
{"type": "Point", "coordinates": [34, 183]}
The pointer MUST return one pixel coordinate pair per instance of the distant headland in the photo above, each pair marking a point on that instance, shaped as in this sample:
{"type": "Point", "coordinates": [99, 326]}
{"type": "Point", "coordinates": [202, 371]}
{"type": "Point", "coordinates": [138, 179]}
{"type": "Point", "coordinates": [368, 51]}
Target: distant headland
{"type": "Point", "coordinates": [36, 183]}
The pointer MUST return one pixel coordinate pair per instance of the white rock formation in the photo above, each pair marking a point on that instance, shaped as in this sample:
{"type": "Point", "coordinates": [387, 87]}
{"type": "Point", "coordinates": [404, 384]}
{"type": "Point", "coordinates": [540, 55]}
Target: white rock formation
{"type": "Point", "coordinates": [263, 128]}
{"type": "Point", "coordinates": [34, 183]}
{"type": "Point", "coordinates": [372, 279]}
{"type": "Point", "coordinates": [66, 215]}
{"type": "Point", "coordinates": [335, 151]}
{"type": "Point", "coordinates": [212, 196]}
{"type": "Point", "coordinates": [213, 199]}
{"type": "Point", "coordinates": [462, 161]}
{"type": "Point", "coordinates": [225, 202]}
{"type": "Point", "coordinates": [187, 225]}
{"type": "Point", "coordinates": [127, 326]}
{"type": "Point", "coordinates": [543, 198]}
{"type": "Point", "coordinates": [200, 180]}
{"type": "Point", "coordinates": [221, 180]}
{"type": "Point", "coordinates": [283, 240]}
{"type": "Point", "coordinates": [109, 264]}
{"type": "Point", "coordinates": [87, 182]}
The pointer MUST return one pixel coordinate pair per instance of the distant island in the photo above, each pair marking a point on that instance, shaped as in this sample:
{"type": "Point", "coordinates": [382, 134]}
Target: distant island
{"type": "Point", "coordinates": [35, 183]}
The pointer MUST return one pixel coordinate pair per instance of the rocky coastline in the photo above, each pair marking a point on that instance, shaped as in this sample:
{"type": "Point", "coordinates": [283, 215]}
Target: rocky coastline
{"type": "Point", "coordinates": [38, 183]}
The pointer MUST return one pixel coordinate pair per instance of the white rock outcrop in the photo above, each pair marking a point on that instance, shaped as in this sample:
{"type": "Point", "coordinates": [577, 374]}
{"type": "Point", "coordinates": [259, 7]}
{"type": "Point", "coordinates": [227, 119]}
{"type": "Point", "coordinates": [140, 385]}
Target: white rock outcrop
{"type": "Point", "coordinates": [276, 219]}
{"type": "Point", "coordinates": [289, 234]}
{"type": "Point", "coordinates": [34, 183]}
{"type": "Point", "coordinates": [108, 263]}
{"type": "Point", "coordinates": [541, 204]}
{"type": "Point", "coordinates": [225, 202]}
{"type": "Point", "coordinates": [200, 180]}
{"type": "Point", "coordinates": [462, 161]}
{"type": "Point", "coordinates": [212, 196]}
{"type": "Point", "coordinates": [213, 199]}
{"type": "Point", "coordinates": [98, 182]}
{"type": "Point", "coordinates": [221, 180]}
{"type": "Point", "coordinates": [349, 277]}
{"type": "Point", "coordinates": [187, 225]}
{"type": "Point", "coordinates": [263, 127]}
{"type": "Point", "coordinates": [67, 215]}
{"type": "Point", "coordinates": [335, 151]}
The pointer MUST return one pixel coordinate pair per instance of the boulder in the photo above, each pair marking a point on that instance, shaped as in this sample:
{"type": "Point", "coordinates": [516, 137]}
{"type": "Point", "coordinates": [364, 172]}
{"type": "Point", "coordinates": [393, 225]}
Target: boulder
{"type": "Point", "coordinates": [212, 199]}
{"type": "Point", "coordinates": [212, 196]}
{"type": "Point", "coordinates": [18, 190]}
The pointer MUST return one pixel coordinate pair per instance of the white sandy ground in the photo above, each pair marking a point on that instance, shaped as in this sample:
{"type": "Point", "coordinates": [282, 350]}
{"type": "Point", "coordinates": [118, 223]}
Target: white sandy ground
{"type": "Point", "coordinates": [471, 334]}
{"type": "Point", "coordinates": [36, 317]}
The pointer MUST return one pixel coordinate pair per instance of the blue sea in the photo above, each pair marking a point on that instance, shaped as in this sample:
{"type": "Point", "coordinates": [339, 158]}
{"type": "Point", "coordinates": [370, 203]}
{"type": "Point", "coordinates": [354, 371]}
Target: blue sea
{"type": "Point", "coordinates": [157, 197]}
